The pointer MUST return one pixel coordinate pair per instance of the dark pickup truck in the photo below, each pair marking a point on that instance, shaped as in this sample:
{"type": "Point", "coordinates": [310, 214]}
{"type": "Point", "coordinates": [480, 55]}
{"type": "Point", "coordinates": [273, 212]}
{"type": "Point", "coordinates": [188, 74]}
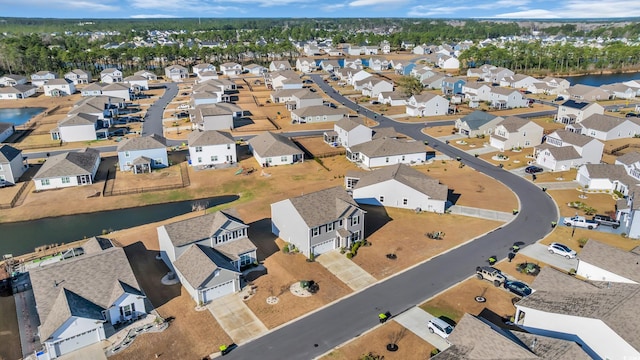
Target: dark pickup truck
{"type": "Point", "coordinates": [605, 220]}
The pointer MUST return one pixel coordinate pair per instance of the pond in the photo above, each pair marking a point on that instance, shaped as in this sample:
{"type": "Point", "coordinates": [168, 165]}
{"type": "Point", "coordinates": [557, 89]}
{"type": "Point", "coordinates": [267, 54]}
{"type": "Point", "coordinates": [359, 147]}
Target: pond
{"type": "Point", "coordinates": [23, 237]}
{"type": "Point", "coordinates": [19, 116]}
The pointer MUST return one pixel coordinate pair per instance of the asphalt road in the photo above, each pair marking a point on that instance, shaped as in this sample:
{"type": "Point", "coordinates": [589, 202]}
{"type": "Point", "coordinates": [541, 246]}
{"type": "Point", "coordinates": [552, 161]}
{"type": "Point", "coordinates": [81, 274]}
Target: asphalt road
{"type": "Point", "coordinates": [346, 319]}
{"type": "Point", "coordinates": [153, 120]}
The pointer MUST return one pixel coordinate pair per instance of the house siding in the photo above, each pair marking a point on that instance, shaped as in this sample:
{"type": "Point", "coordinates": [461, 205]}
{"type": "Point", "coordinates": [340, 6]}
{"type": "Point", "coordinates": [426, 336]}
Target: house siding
{"type": "Point", "coordinates": [217, 122]}
{"type": "Point", "coordinates": [394, 194]}
{"type": "Point", "coordinates": [154, 154]}
{"type": "Point", "coordinates": [210, 151]}
{"type": "Point", "coordinates": [393, 159]}
{"type": "Point", "coordinates": [72, 327]}
{"type": "Point", "coordinates": [288, 225]}
{"type": "Point", "coordinates": [77, 133]}
{"type": "Point", "coordinates": [12, 170]}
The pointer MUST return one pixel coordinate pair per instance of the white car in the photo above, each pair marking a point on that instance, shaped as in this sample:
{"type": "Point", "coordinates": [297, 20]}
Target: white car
{"type": "Point", "coordinates": [562, 250]}
{"type": "Point", "coordinates": [183, 106]}
{"type": "Point", "coordinates": [440, 327]}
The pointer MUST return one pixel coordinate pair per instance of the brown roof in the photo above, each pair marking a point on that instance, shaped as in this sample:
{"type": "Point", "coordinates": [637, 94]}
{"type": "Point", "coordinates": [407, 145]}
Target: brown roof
{"type": "Point", "coordinates": [407, 176]}
{"type": "Point", "coordinates": [571, 137]}
{"type": "Point", "coordinates": [69, 164]}
{"type": "Point", "coordinates": [629, 158]}
{"type": "Point", "coordinates": [350, 123]}
{"type": "Point", "coordinates": [563, 153]}
{"type": "Point", "coordinates": [513, 123]}
{"type": "Point", "coordinates": [324, 206]}
{"type": "Point", "coordinates": [199, 263]}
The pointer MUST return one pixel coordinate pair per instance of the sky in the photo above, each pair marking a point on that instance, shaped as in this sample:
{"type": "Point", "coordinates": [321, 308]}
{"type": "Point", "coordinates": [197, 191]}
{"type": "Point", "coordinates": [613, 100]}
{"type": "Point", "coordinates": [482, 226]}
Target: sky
{"type": "Point", "coordinates": [499, 9]}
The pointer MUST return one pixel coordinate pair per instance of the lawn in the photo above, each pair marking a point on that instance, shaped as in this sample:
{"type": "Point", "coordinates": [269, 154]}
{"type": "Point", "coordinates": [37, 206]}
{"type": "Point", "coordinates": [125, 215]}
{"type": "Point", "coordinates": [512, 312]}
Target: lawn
{"type": "Point", "coordinates": [9, 333]}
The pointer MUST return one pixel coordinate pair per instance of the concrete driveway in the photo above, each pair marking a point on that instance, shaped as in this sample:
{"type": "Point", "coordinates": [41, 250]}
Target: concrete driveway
{"type": "Point", "coordinates": [415, 320]}
{"type": "Point", "coordinates": [235, 317]}
{"type": "Point", "coordinates": [346, 270]}
{"type": "Point", "coordinates": [540, 252]}
{"type": "Point", "coordinates": [93, 352]}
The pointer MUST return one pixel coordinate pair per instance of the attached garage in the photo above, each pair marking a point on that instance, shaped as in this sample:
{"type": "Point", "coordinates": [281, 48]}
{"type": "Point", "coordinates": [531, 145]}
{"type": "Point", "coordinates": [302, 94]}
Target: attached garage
{"type": "Point", "coordinates": [218, 291]}
{"type": "Point", "coordinates": [76, 342]}
{"type": "Point", "coordinates": [323, 247]}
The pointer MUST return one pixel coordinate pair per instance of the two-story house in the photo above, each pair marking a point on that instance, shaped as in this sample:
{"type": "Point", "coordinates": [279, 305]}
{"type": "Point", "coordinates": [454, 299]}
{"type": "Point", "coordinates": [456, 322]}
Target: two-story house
{"type": "Point", "coordinates": [12, 80]}
{"type": "Point", "coordinates": [142, 154]}
{"type": "Point", "coordinates": [476, 91]}
{"type": "Point", "coordinates": [211, 148]}
{"type": "Point", "coordinates": [231, 69]}
{"type": "Point", "coordinates": [110, 75]}
{"type": "Point", "coordinates": [279, 65]}
{"type": "Point", "coordinates": [59, 87]}
{"type": "Point", "coordinates": [196, 69]}
{"type": "Point", "coordinates": [306, 65]}
{"type": "Point", "coordinates": [452, 85]}
{"type": "Point", "coordinates": [12, 165]}
{"type": "Point", "coordinates": [80, 127]}
{"type": "Point", "coordinates": [563, 150]}
{"type": "Point", "coordinates": [427, 104]}
{"type": "Point", "coordinates": [514, 132]}
{"type": "Point", "coordinates": [605, 127]}
{"type": "Point", "coordinates": [506, 98]}
{"type": "Point", "coordinates": [572, 111]}
{"type": "Point", "coordinates": [348, 131]}
{"type": "Point", "coordinates": [6, 130]}
{"type": "Point", "coordinates": [78, 76]}
{"type": "Point", "coordinates": [318, 222]}
{"type": "Point", "coordinates": [176, 73]}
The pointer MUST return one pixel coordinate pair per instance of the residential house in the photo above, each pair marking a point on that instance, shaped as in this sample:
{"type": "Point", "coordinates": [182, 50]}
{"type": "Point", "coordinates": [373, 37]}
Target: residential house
{"type": "Point", "coordinates": [6, 130]}
{"type": "Point", "coordinates": [602, 329]}
{"type": "Point", "coordinates": [12, 80]}
{"type": "Point", "coordinates": [563, 150]}
{"type": "Point", "coordinates": [452, 85]}
{"type": "Point", "coordinates": [385, 47]}
{"type": "Point", "coordinates": [305, 65]}
{"type": "Point", "coordinates": [329, 65]}
{"type": "Point", "coordinates": [318, 222]}
{"type": "Point", "coordinates": [176, 73]}
{"type": "Point", "coordinates": [495, 74]}
{"type": "Point", "coordinates": [433, 82]}
{"type": "Point", "coordinates": [609, 178]}
{"type": "Point", "coordinates": [399, 66]}
{"type": "Point", "coordinates": [587, 93]}
{"type": "Point", "coordinates": [271, 149]}
{"type": "Point", "coordinates": [554, 82]}
{"type": "Point", "coordinates": [518, 81]}
{"type": "Point", "coordinates": [543, 88]}
{"type": "Point", "coordinates": [514, 133]}
{"type": "Point", "coordinates": [572, 111]}
{"type": "Point", "coordinates": [602, 262]}
{"type": "Point", "coordinates": [12, 165]}
{"type": "Point", "coordinates": [392, 98]}
{"type": "Point", "coordinates": [207, 253]}
{"type": "Point", "coordinates": [93, 89]}
{"type": "Point", "coordinates": [358, 76]}
{"type": "Point", "coordinates": [196, 69]}
{"type": "Point", "coordinates": [353, 64]}
{"type": "Point", "coordinates": [475, 337]}
{"type": "Point", "coordinates": [146, 74]}
{"type": "Point", "coordinates": [255, 69]}
{"type": "Point", "coordinates": [211, 147]}
{"type": "Point", "coordinates": [296, 98]}
{"type": "Point", "coordinates": [59, 87]}
{"type": "Point", "coordinates": [447, 62]}
{"type": "Point", "coordinates": [80, 127]}
{"type": "Point", "coordinates": [104, 107]}
{"type": "Point", "coordinates": [348, 131]}
{"type": "Point", "coordinates": [334, 52]}
{"type": "Point", "coordinates": [142, 154]}
{"type": "Point", "coordinates": [42, 77]}
{"type": "Point", "coordinates": [81, 301]}
{"type": "Point", "coordinates": [477, 124]}
{"type": "Point", "coordinates": [378, 64]}
{"type": "Point", "coordinates": [68, 169]}
{"type": "Point", "coordinates": [407, 45]}
{"type": "Point", "coordinates": [373, 86]}
{"type": "Point", "coordinates": [605, 127]}
{"type": "Point", "coordinates": [427, 104]}
{"type": "Point", "coordinates": [354, 50]}
{"type": "Point", "coordinates": [117, 90]}
{"type": "Point", "coordinates": [231, 69]}
{"type": "Point", "coordinates": [78, 76]}
{"type": "Point", "coordinates": [620, 91]}
{"type": "Point", "coordinates": [137, 83]}
{"type": "Point", "coordinates": [385, 151]}
{"type": "Point", "coordinates": [398, 186]}
{"type": "Point", "coordinates": [505, 98]}
{"type": "Point", "coordinates": [477, 91]}
{"type": "Point", "coordinates": [317, 113]}
{"type": "Point", "coordinates": [110, 75]}
{"type": "Point", "coordinates": [17, 92]}
{"type": "Point", "coordinates": [286, 79]}
{"type": "Point", "coordinates": [279, 65]}
{"type": "Point", "coordinates": [217, 116]}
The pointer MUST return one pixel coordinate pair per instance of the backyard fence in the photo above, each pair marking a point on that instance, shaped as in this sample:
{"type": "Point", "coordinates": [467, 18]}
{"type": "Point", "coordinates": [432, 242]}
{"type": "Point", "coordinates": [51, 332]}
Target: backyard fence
{"type": "Point", "coordinates": [110, 183]}
{"type": "Point", "coordinates": [17, 198]}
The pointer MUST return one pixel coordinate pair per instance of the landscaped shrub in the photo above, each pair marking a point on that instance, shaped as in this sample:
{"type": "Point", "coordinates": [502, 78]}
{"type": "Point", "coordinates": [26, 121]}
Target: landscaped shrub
{"type": "Point", "coordinates": [582, 242]}
{"type": "Point", "coordinates": [349, 255]}
{"type": "Point", "coordinates": [285, 249]}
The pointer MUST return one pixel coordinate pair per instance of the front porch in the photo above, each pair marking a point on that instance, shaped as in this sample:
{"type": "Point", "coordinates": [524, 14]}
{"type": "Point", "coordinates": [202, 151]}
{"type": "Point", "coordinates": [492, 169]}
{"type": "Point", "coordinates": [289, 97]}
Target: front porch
{"type": "Point", "coordinates": [141, 165]}
{"type": "Point", "coordinates": [331, 138]}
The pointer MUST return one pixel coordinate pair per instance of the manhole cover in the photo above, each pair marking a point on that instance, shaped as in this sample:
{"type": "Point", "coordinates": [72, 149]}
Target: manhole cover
{"type": "Point", "coordinates": [272, 300]}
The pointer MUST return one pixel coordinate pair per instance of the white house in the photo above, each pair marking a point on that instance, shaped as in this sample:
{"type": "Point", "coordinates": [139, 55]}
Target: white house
{"type": "Point", "coordinates": [427, 104]}
{"type": "Point", "coordinates": [305, 65]}
{"type": "Point", "coordinates": [518, 81]}
{"type": "Point", "coordinates": [555, 82]}
{"type": "Point", "coordinates": [602, 262]}
{"type": "Point", "coordinates": [137, 82]}
{"type": "Point", "coordinates": [42, 77]}
{"type": "Point", "coordinates": [176, 73]}
{"type": "Point", "coordinates": [318, 222]}
{"type": "Point", "coordinates": [17, 92]}
{"type": "Point", "coordinates": [279, 65]}
{"type": "Point", "coordinates": [285, 79]}
{"type": "Point", "coordinates": [357, 76]}
{"type": "Point", "coordinates": [572, 111]}
{"type": "Point", "coordinates": [373, 86]}
{"type": "Point", "coordinates": [478, 91]}
{"type": "Point", "coordinates": [620, 91]}
{"type": "Point", "coordinates": [59, 87]}
{"type": "Point", "coordinates": [385, 151]}
{"type": "Point", "coordinates": [110, 75]}
{"type": "Point", "coordinates": [231, 69]}
{"type": "Point", "coordinates": [210, 148]}
{"type": "Point", "coordinates": [207, 253]}
{"type": "Point", "coordinates": [605, 127]}
{"type": "Point", "coordinates": [379, 64]}
{"type": "Point", "coordinates": [68, 169]}
{"type": "Point", "coordinates": [78, 76]}
{"type": "Point", "coordinates": [398, 186]}
{"type": "Point", "coordinates": [80, 300]}
{"type": "Point", "coordinates": [118, 90]}
{"type": "Point", "coordinates": [196, 69]}
{"type": "Point", "coordinates": [142, 154]}
{"type": "Point", "coordinates": [146, 74]}
{"type": "Point", "coordinates": [582, 92]}
{"type": "Point", "coordinates": [392, 98]}
{"type": "Point", "coordinates": [478, 123]}
{"type": "Point", "coordinates": [317, 113]}
{"type": "Point", "coordinates": [608, 178]}
{"type": "Point", "coordinates": [218, 116]}
{"type": "Point", "coordinates": [12, 164]}
{"type": "Point", "coordinates": [505, 98]}
{"type": "Point", "coordinates": [255, 69]}
{"type": "Point", "coordinates": [271, 149]}
{"type": "Point", "coordinates": [79, 127]}
{"type": "Point", "coordinates": [12, 80]}
{"type": "Point", "coordinates": [448, 62]}
{"type": "Point", "coordinates": [563, 150]}
{"type": "Point", "coordinates": [348, 131]}
{"type": "Point", "coordinates": [6, 130]}
{"type": "Point", "coordinates": [514, 132]}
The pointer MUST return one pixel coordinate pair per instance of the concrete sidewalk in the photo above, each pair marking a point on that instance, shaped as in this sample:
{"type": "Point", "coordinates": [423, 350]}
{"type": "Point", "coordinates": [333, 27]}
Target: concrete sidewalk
{"type": "Point", "coordinates": [415, 320]}
{"type": "Point", "coordinates": [235, 317]}
{"type": "Point", "coordinates": [346, 270]}
{"type": "Point", "coordinates": [559, 185]}
{"type": "Point", "coordinates": [481, 213]}
{"type": "Point", "coordinates": [540, 252]}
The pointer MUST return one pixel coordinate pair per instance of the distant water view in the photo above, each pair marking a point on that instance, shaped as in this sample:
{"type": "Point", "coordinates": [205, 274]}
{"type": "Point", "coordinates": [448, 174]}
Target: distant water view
{"type": "Point", "coordinates": [19, 116]}
{"type": "Point", "coordinates": [604, 79]}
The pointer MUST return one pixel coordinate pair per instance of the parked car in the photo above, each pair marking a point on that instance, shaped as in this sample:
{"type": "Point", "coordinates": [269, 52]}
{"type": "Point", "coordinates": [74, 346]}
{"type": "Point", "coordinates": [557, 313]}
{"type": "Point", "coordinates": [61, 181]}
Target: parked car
{"type": "Point", "coordinates": [183, 106]}
{"type": "Point", "coordinates": [580, 221]}
{"type": "Point", "coordinates": [440, 327]}
{"type": "Point", "coordinates": [533, 169]}
{"type": "Point", "coordinates": [559, 98]}
{"type": "Point", "coordinates": [182, 115]}
{"type": "Point", "coordinates": [606, 221]}
{"type": "Point", "coordinates": [631, 115]}
{"type": "Point", "coordinates": [562, 250]}
{"type": "Point", "coordinates": [517, 287]}
{"type": "Point", "coordinates": [490, 273]}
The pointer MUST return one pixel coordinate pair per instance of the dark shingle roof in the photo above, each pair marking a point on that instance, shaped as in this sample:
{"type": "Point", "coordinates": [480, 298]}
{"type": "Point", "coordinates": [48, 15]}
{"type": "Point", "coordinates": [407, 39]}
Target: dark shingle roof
{"type": "Point", "coordinates": [477, 118]}
{"type": "Point", "coordinates": [576, 104]}
{"type": "Point", "coordinates": [8, 153]}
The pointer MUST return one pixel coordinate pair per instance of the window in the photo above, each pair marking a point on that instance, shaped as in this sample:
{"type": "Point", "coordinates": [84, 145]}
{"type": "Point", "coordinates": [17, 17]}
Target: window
{"type": "Point", "coordinates": [3, 178]}
{"type": "Point", "coordinates": [214, 158]}
{"type": "Point", "coordinates": [402, 157]}
{"type": "Point", "coordinates": [405, 201]}
{"type": "Point", "coordinates": [199, 159]}
{"type": "Point", "coordinates": [127, 154]}
{"type": "Point", "coordinates": [524, 133]}
{"type": "Point", "coordinates": [198, 148]}
{"type": "Point", "coordinates": [228, 146]}
{"type": "Point", "coordinates": [527, 143]}
{"type": "Point", "coordinates": [355, 220]}
{"type": "Point", "coordinates": [283, 158]}
{"type": "Point", "coordinates": [315, 231]}
{"type": "Point", "coordinates": [158, 161]}
{"type": "Point", "coordinates": [125, 310]}
{"type": "Point", "coordinates": [45, 182]}
{"type": "Point", "coordinates": [66, 180]}
{"type": "Point", "coordinates": [386, 160]}
{"type": "Point", "coordinates": [245, 259]}
{"type": "Point", "coordinates": [381, 198]}
{"type": "Point", "coordinates": [330, 227]}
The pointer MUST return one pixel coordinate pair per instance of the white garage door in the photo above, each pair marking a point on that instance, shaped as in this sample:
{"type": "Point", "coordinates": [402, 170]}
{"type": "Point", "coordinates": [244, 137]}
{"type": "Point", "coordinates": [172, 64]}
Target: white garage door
{"type": "Point", "coordinates": [323, 247]}
{"type": "Point", "coordinates": [77, 342]}
{"type": "Point", "coordinates": [218, 291]}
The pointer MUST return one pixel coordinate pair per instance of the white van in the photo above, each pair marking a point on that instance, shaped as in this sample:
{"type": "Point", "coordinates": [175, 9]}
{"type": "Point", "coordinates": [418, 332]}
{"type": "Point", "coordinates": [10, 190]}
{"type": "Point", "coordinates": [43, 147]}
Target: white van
{"type": "Point", "coordinates": [440, 327]}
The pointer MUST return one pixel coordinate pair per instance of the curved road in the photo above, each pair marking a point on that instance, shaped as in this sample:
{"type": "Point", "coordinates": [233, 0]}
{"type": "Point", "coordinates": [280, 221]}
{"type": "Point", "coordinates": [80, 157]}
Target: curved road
{"type": "Point", "coordinates": [347, 318]}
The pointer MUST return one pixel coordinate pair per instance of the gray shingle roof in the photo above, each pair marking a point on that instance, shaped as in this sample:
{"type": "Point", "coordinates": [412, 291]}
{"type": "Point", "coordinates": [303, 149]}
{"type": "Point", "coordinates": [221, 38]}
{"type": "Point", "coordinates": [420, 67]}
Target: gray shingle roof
{"type": "Point", "coordinates": [188, 231]}
{"type": "Point", "coordinates": [350, 123]}
{"type": "Point", "coordinates": [233, 249]}
{"type": "Point", "coordinates": [477, 118]}
{"type": "Point", "coordinates": [388, 131]}
{"type": "Point", "coordinates": [153, 141]}
{"type": "Point", "coordinates": [59, 82]}
{"type": "Point", "coordinates": [69, 164]}
{"type": "Point", "coordinates": [269, 144]}
{"type": "Point", "coordinates": [210, 137]}
{"type": "Point", "coordinates": [199, 263]}
{"type": "Point", "coordinates": [79, 119]}
{"type": "Point", "coordinates": [563, 153]}
{"type": "Point", "coordinates": [407, 176]}
{"type": "Point", "coordinates": [611, 172]}
{"type": "Point", "coordinates": [602, 122]}
{"type": "Point", "coordinates": [8, 153]}
{"type": "Point", "coordinates": [318, 110]}
{"type": "Point", "coordinates": [388, 147]}
{"type": "Point", "coordinates": [94, 278]}
{"type": "Point", "coordinates": [612, 259]}
{"type": "Point", "coordinates": [571, 137]}
{"type": "Point", "coordinates": [115, 87]}
{"type": "Point", "coordinates": [324, 206]}
{"type": "Point", "coordinates": [514, 123]}
{"type": "Point", "coordinates": [629, 158]}
{"type": "Point", "coordinates": [96, 244]}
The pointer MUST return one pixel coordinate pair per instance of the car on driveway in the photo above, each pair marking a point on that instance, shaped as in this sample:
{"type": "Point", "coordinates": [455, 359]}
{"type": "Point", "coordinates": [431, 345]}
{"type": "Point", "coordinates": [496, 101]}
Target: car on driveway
{"type": "Point", "coordinates": [533, 169]}
{"type": "Point", "coordinates": [631, 115]}
{"type": "Point", "coordinates": [606, 221]}
{"type": "Point", "coordinates": [183, 106]}
{"type": "Point", "coordinates": [562, 250]}
{"type": "Point", "coordinates": [490, 273]}
{"type": "Point", "coordinates": [518, 287]}
{"type": "Point", "coordinates": [440, 327]}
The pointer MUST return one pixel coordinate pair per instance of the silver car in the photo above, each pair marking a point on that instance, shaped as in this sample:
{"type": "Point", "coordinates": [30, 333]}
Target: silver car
{"type": "Point", "coordinates": [562, 250]}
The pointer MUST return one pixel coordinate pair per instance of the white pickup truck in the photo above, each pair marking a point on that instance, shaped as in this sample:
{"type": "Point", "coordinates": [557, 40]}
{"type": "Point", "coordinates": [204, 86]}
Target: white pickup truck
{"type": "Point", "coordinates": [580, 221]}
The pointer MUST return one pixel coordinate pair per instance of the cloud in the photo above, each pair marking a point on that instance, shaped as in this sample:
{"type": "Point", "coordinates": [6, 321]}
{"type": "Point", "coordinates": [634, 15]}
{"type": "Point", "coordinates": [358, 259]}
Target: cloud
{"type": "Point", "coordinates": [580, 9]}
{"type": "Point", "coordinates": [71, 5]}
{"type": "Point", "coordinates": [333, 7]}
{"type": "Point", "coordinates": [184, 7]}
{"type": "Point", "coordinates": [463, 9]}
{"type": "Point", "coordinates": [377, 3]}
{"type": "Point", "coordinates": [151, 16]}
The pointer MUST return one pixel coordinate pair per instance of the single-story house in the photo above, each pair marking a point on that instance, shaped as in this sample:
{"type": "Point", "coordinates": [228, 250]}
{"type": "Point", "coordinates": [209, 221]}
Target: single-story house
{"type": "Point", "coordinates": [68, 169]}
{"type": "Point", "coordinates": [317, 113]}
{"type": "Point", "coordinates": [142, 154]}
{"type": "Point", "coordinates": [384, 151]}
{"type": "Point", "coordinates": [392, 98]}
{"type": "Point", "coordinates": [588, 93]}
{"type": "Point", "coordinates": [271, 149]}
{"type": "Point", "coordinates": [605, 127]}
{"type": "Point", "coordinates": [608, 177]}
{"type": "Point", "coordinates": [17, 92]}
{"type": "Point", "coordinates": [279, 65]}
{"type": "Point", "coordinates": [12, 80]}
{"type": "Point", "coordinates": [255, 69]}
{"type": "Point", "coordinates": [146, 74]}
{"type": "Point", "coordinates": [477, 123]}
{"type": "Point", "coordinates": [41, 77]}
